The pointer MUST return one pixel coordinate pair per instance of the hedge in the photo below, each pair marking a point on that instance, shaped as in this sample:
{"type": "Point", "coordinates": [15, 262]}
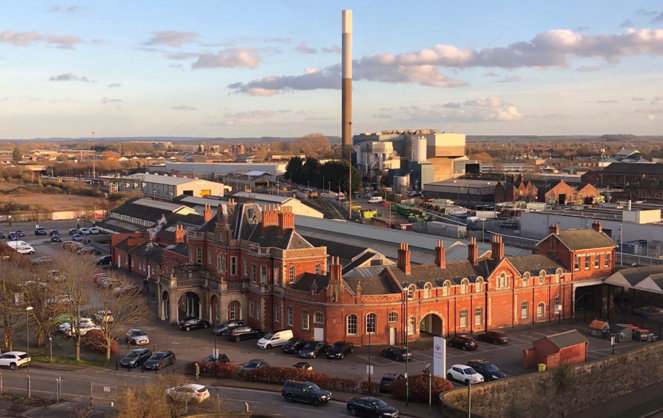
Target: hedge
{"type": "Point", "coordinates": [419, 388]}
{"type": "Point", "coordinates": [96, 341]}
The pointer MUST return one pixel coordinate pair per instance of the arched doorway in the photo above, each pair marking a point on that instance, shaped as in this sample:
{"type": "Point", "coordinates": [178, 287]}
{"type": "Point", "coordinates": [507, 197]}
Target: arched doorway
{"type": "Point", "coordinates": [189, 306]}
{"type": "Point", "coordinates": [432, 324]}
{"type": "Point", "coordinates": [165, 305]}
{"type": "Point", "coordinates": [214, 313]}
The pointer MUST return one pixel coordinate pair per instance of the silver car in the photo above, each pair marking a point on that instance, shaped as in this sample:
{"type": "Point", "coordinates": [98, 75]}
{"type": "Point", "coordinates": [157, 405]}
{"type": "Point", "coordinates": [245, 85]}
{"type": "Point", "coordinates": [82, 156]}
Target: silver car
{"type": "Point", "coordinates": [137, 337]}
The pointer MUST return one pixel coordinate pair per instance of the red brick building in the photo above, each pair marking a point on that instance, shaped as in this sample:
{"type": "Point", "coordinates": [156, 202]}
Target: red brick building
{"type": "Point", "coordinates": [569, 347]}
{"type": "Point", "coordinates": [251, 264]}
{"type": "Point", "coordinates": [564, 194]}
{"type": "Point", "coordinates": [515, 190]}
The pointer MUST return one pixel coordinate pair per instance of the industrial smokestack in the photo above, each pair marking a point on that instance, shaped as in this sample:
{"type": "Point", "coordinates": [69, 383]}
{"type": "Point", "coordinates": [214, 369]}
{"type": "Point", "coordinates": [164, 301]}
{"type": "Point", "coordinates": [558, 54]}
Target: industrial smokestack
{"type": "Point", "coordinates": [346, 117]}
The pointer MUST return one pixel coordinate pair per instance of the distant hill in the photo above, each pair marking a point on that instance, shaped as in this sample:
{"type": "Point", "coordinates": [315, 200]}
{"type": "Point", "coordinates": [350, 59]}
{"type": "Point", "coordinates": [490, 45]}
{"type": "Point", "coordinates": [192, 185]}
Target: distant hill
{"type": "Point", "coordinates": [264, 139]}
{"type": "Point", "coordinates": [561, 138]}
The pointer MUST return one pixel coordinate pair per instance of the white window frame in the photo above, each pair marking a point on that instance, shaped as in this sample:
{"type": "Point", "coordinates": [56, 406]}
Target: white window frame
{"type": "Point", "coordinates": [462, 318]}
{"type": "Point", "coordinates": [392, 317]}
{"type": "Point", "coordinates": [318, 318]}
{"type": "Point", "coordinates": [306, 320]}
{"type": "Point", "coordinates": [540, 310]}
{"type": "Point", "coordinates": [371, 323]}
{"type": "Point", "coordinates": [351, 323]}
{"type": "Point", "coordinates": [291, 316]}
{"type": "Point", "coordinates": [524, 310]}
{"type": "Point", "coordinates": [478, 316]}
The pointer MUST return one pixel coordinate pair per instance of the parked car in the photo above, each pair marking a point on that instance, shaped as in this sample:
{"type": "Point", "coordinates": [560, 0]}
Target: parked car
{"type": "Point", "coordinates": [397, 353]}
{"type": "Point", "coordinates": [136, 336]}
{"type": "Point", "coordinates": [40, 231]}
{"type": "Point", "coordinates": [371, 407]}
{"type": "Point", "coordinates": [294, 345]}
{"type": "Point", "coordinates": [98, 276]}
{"type": "Point", "coordinates": [128, 289]}
{"type": "Point", "coordinates": [84, 231]}
{"type": "Point", "coordinates": [25, 249]}
{"type": "Point", "coordinates": [104, 316]}
{"type": "Point", "coordinates": [275, 338]}
{"type": "Point", "coordinates": [242, 333]}
{"type": "Point", "coordinates": [464, 374]}
{"type": "Point", "coordinates": [463, 342]}
{"type": "Point", "coordinates": [87, 250]}
{"type": "Point", "coordinates": [73, 231]}
{"type": "Point", "coordinates": [187, 324]}
{"type": "Point", "coordinates": [2, 235]}
{"type": "Point", "coordinates": [42, 260]}
{"type": "Point", "coordinates": [53, 232]}
{"type": "Point", "coordinates": [20, 233]}
{"type": "Point", "coordinates": [105, 260]}
{"type": "Point", "coordinates": [12, 236]}
{"type": "Point", "coordinates": [253, 365]}
{"type": "Point", "coordinates": [494, 337]}
{"type": "Point", "coordinates": [135, 357]}
{"type": "Point", "coordinates": [188, 393]}
{"type": "Point", "coordinates": [86, 325]}
{"type": "Point", "coordinates": [488, 370]}
{"type": "Point", "coordinates": [94, 230]}
{"type": "Point", "coordinates": [108, 282]}
{"type": "Point", "coordinates": [159, 360]}
{"type": "Point", "coordinates": [56, 238]}
{"type": "Point", "coordinates": [388, 380]}
{"type": "Point", "coordinates": [67, 245]}
{"type": "Point", "coordinates": [340, 349]}
{"type": "Point", "coordinates": [303, 365]}
{"type": "Point", "coordinates": [306, 392]}
{"type": "Point", "coordinates": [222, 358]}
{"type": "Point", "coordinates": [312, 349]}
{"type": "Point", "coordinates": [228, 326]}
{"type": "Point", "coordinates": [77, 237]}
{"type": "Point", "coordinates": [14, 359]}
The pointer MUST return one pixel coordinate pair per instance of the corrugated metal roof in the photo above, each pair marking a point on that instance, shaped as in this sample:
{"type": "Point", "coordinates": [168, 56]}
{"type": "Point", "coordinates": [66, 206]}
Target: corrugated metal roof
{"type": "Point", "coordinates": [155, 178]}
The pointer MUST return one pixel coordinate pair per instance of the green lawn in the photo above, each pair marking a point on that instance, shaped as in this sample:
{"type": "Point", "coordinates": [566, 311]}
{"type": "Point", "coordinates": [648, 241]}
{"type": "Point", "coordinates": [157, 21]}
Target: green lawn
{"type": "Point", "coordinates": [66, 360]}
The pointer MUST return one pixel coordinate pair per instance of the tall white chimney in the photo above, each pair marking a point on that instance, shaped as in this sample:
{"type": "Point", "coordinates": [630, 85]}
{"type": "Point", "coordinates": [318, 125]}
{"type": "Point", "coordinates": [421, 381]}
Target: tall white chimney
{"type": "Point", "coordinates": [346, 100]}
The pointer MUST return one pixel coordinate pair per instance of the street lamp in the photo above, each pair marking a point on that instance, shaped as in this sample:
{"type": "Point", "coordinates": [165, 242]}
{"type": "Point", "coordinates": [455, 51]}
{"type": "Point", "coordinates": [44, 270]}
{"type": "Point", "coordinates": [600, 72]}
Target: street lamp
{"type": "Point", "coordinates": [27, 334]}
{"type": "Point", "coordinates": [406, 319]}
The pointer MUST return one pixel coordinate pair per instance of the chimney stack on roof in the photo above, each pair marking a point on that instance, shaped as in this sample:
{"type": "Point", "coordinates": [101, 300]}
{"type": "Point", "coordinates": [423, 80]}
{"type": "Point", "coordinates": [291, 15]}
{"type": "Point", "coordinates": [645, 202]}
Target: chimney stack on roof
{"type": "Point", "coordinates": [179, 234]}
{"type": "Point", "coordinates": [440, 255]}
{"type": "Point", "coordinates": [473, 251]}
{"type": "Point", "coordinates": [404, 258]}
{"type": "Point", "coordinates": [553, 229]}
{"type": "Point", "coordinates": [207, 213]}
{"type": "Point", "coordinates": [596, 226]}
{"type": "Point", "coordinates": [497, 248]}
{"type": "Point", "coordinates": [286, 219]}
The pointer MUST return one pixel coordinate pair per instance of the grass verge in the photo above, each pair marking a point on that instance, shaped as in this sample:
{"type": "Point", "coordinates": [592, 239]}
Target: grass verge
{"type": "Point", "coordinates": [40, 358]}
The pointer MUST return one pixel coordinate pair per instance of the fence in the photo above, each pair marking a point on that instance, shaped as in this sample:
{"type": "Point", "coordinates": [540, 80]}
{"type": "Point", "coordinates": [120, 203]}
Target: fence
{"type": "Point", "coordinates": [57, 389]}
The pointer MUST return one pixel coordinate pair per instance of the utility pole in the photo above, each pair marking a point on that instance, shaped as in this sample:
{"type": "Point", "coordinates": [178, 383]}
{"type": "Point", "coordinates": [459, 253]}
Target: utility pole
{"type": "Point", "coordinates": [94, 171]}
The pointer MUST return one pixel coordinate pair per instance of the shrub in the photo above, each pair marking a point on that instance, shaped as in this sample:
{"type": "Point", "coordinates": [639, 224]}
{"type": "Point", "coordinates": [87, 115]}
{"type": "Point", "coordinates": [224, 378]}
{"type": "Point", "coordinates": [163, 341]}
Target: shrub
{"type": "Point", "coordinates": [95, 340]}
{"type": "Point", "coordinates": [419, 388]}
{"type": "Point", "coordinates": [374, 387]}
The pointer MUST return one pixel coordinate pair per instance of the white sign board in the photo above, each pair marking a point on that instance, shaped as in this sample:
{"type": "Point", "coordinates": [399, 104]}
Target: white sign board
{"type": "Point", "coordinates": [439, 357]}
{"type": "Point", "coordinates": [369, 370]}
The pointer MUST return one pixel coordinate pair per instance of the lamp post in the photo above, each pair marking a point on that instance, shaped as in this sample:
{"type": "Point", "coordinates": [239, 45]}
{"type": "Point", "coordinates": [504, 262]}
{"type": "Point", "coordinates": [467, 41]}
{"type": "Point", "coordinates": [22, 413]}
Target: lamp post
{"type": "Point", "coordinates": [406, 318]}
{"type": "Point", "coordinates": [27, 334]}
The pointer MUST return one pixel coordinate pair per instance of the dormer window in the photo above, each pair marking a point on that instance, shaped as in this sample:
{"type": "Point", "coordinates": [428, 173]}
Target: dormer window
{"type": "Point", "coordinates": [410, 291]}
{"type": "Point", "coordinates": [446, 287]}
{"type": "Point", "coordinates": [463, 286]}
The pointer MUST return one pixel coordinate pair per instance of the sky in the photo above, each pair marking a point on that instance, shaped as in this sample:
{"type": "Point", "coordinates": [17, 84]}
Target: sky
{"type": "Point", "coordinates": [255, 68]}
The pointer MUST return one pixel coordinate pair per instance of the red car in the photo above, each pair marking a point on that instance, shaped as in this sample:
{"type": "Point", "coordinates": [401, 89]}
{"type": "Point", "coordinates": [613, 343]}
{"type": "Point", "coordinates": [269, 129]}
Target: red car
{"type": "Point", "coordinates": [494, 337]}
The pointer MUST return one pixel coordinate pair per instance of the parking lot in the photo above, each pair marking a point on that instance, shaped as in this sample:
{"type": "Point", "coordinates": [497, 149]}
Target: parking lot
{"type": "Point", "coordinates": [197, 344]}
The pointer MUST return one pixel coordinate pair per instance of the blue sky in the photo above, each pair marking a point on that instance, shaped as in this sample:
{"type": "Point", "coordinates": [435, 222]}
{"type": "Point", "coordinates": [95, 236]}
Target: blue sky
{"type": "Point", "coordinates": [256, 68]}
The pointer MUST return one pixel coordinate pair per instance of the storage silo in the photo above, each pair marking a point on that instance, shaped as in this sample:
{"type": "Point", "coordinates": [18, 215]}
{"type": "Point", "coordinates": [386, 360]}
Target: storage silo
{"type": "Point", "coordinates": [401, 184]}
{"type": "Point", "coordinates": [418, 149]}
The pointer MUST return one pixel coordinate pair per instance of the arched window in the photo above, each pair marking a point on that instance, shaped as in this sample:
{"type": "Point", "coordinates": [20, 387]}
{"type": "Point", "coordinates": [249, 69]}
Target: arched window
{"type": "Point", "coordinates": [558, 304]}
{"type": "Point", "coordinates": [427, 289]}
{"type": "Point", "coordinates": [410, 291]}
{"type": "Point", "coordinates": [540, 310]}
{"type": "Point", "coordinates": [526, 279]}
{"type": "Point", "coordinates": [393, 317]}
{"type": "Point", "coordinates": [446, 287]}
{"type": "Point", "coordinates": [478, 316]}
{"type": "Point", "coordinates": [463, 286]}
{"type": "Point", "coordinates": [319, 318]}
{"type": "Point", "coordinates": [502, 281]}
{"type": "Point", "coordinates": [291, 274]}
{"type": "Point", "coordinates": [542, 276]}
{"type": "Point", "coordinates": [558, 275]}
{"type": "Point", "coordinates": [463, 319]}
{"type": "Point", "coordinates": [478, 287]}
{"type": "Point", "coordinates": [371, 323]}
{"type": "Point", "coordinates": [291, 319]}
{"type": "Point", "coordinates": [524, 310]}
{"type": "Point", "coordinates": [305, 319]}
{"type": "Point", "coordinates": [351, 325]}
{"type": "Point", "coordinates": [412, 325]}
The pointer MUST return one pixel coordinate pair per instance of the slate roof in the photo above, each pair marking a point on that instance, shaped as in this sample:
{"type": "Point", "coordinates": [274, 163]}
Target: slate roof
{"type": "Point", "coordinates": [148, 251]}
{"type": "Point", "coordinates": [290, 240]}
{"type": "Point", "coordinates": [372, 285]}
{"type": "Point", "coordinates": [180, 248]}
{"type": "Point", "coordinates": [634, 168]}
{"type": "Point", "coordinates": [122, 245]}
{"type": "Point", "coordinates": [337, 249]}
{"type": "Point", "coordinates": [585, 239]}
{"type": "Point", "coordinates": [359, 261]}
{"type": "Point", "coordinates": [567, 339]}
{"type": "Point", "coordinates": [306, 280]}
{"type": "Point", "coordinates": [534, 263]}
{"type": "Point", "coordinates": [431, 272]}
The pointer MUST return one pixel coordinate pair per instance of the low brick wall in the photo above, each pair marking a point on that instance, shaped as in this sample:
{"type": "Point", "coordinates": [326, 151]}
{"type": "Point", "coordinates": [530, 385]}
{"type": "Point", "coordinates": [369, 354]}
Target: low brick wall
{"type": "Point", "coordinates": [569, 388]}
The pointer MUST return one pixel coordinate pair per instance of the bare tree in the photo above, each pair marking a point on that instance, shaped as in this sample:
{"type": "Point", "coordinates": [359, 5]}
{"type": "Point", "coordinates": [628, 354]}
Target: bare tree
{"type": "Point", "coordinates": [12, 273]}
{"type": "Point", "coordinates": [77, 287]}
{"type": "Point", "coordinates": [119, 307]}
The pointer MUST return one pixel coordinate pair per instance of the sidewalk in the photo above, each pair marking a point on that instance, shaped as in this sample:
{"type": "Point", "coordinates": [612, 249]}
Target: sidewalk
{"type": "Point", "coordinates": [413, 410]}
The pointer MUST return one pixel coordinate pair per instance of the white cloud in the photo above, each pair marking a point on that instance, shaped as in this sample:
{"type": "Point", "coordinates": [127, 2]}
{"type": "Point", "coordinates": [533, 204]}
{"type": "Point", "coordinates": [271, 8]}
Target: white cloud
{"type": "Point", "coordinates": [229, 58]}
{"type": "Point", "coordinates": [33, 36]}
{"type": "Point", "coordinates": [509, 114]}
{"type": "Point", "coordinates": [609, 101]}
{"type": "Point", "coordinates": [486, 102]}
{"type": "Point", "coordinates": [334, 49]}
{"type": "Point", "coordinates": [181, 107]}
{"type": "Point", "coordinates": [70, 77]}
{"type": "Point", "coordinates": [106, 100]}
{"type": "Point", "coordinates": [110, 86]}
{"type": "Point", "coordinates": [302, 47]}
{"type": "Point", "coordinates": [172, 38]}
{"type": "Point", "coordinates": [589, 68]}
{"type": "Point", "coordinates": [252, 118]}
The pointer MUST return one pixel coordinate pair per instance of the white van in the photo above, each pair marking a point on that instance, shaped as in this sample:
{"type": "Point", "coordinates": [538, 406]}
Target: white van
{"type": "Point", "coordinates": [275, 338]}
{"type": "Point", "coordinates": [17, 244]}
{"type": "Point", "coordinates": [375, 199]}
